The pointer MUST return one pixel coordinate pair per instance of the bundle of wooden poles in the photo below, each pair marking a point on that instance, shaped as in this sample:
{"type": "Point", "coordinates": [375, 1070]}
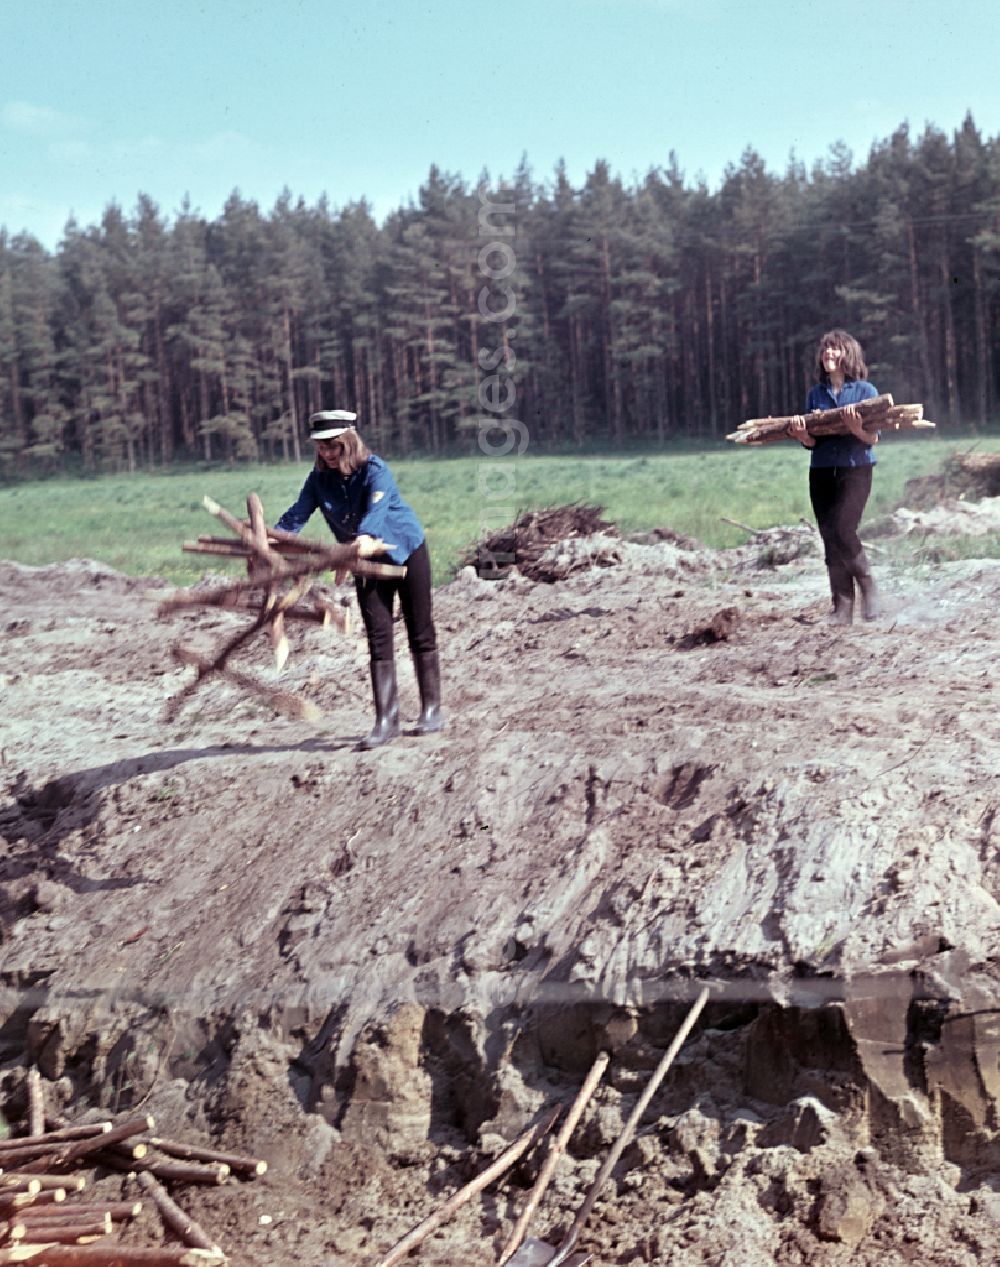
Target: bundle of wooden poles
{"type": "Point", "coordinates": [279, 587]}
{"type": "Point", "coordinates": [45, 1220]}
{"type": "Point", "coordinates": [877, 414]}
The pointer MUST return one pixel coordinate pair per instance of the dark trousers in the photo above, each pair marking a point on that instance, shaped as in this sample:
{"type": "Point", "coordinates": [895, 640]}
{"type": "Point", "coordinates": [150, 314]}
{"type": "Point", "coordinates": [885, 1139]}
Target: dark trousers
{"type": "Point", "coordinates": [838, 495]}
{"type": "Point", "coordinates": [376, 597]}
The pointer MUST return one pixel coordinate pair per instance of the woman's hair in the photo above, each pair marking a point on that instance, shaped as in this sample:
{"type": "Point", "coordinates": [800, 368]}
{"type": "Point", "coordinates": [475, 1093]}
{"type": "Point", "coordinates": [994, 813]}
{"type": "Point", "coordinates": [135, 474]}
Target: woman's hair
{"type": "Point", "coordinates": [353, 454]}
{"type": "Point", "coordinates": [853, 362]}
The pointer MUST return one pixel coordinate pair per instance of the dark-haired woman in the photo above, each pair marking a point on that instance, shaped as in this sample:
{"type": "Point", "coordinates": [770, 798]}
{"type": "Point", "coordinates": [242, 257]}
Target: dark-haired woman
{"type": "Point", "coordinates": [360, 502]}
{"type": "Point", "coordinates": [840, 473]}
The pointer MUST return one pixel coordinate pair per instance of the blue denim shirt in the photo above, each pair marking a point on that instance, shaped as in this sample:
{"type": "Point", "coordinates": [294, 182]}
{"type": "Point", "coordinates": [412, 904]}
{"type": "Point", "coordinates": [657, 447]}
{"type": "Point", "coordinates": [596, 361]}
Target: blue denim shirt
{"type": "Point", "coordinates": [366, 503]}
{"type": "Point", "coordinates": [841, 450]}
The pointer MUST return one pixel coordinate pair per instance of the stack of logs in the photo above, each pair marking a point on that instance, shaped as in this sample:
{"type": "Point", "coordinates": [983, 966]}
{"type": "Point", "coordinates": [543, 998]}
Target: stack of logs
{"type": "Point", "coordinates": [280, 587]}
{"type": "Point", "coordinates": [47, 1223]}
{"type": "Point", "coordinates": [877, 414]}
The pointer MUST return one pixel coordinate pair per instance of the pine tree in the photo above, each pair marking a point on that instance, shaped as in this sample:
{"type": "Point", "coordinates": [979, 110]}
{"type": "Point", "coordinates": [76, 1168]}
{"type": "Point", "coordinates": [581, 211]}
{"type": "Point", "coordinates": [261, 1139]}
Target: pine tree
{"type": "Point", "coordinates": [40, 416]}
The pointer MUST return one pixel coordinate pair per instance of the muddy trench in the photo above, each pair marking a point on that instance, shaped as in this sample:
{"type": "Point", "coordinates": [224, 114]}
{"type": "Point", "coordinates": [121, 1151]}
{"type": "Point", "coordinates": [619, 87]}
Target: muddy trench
{"type": "Point", "coordinates": [815, 1128]}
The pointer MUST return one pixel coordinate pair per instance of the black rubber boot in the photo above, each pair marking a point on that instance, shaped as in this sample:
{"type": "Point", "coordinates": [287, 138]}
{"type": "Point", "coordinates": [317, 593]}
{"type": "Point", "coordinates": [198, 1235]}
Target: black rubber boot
{"type": "Point", "coordinates": [843, 610]}
{"type": "Point", "coordinates": [428, 673]}
{"type": "Point", "coordinates": [842, 590]}
{"type": "Point", "coordinates": [862, 572]}
{"type": "Point", "coordinates": [386, 705]}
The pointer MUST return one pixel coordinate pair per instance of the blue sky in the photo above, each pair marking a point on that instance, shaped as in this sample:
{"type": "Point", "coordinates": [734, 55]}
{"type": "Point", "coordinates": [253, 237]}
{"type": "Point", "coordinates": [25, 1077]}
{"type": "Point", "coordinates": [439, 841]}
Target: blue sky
{"type": "Point", "coordinates": [102, 100]}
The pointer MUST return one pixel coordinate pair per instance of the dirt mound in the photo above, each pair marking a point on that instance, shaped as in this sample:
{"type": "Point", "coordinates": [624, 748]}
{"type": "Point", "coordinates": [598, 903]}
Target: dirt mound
{"type": "Point", "coordinates": [968, 476]}
{"type": "Point", "coordinates": [375, 969]}
{"type": "Point", "coordinates": [722, 626]}
{"type": "Point", "coordinates": [950, 519]}
{"type": "Point", "coordinates": [657, 535]}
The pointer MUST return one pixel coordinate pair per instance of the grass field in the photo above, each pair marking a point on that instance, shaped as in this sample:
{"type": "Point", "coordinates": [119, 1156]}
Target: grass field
{"type": "Point", "coordinates": [137, 523]}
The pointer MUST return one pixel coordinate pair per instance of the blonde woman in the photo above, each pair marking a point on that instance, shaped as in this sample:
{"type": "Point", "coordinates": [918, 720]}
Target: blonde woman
{"type": "Point", "coordinates": [359, 499]}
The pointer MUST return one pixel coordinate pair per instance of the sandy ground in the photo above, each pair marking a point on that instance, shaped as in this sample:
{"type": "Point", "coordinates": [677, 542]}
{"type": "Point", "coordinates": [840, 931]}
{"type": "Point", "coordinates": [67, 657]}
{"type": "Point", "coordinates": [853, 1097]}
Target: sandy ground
{"type": "Point", "coordinates": [662, 770]}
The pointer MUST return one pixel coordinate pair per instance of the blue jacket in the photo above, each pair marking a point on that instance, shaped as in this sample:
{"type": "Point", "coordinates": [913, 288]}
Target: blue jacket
{"type": "Point", "coordinates": [366, 503]}
{"type": "Point", "coordinates": [841, 450]}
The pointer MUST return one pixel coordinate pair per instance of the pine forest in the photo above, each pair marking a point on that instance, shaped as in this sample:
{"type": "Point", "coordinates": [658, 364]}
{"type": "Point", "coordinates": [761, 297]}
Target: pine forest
{"type": "Point", "coordinates": [608, 314]}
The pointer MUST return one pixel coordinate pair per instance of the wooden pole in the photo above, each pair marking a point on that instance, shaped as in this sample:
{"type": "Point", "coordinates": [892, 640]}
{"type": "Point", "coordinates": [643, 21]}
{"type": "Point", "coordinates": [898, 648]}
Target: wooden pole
{"type": "Point", "coordinates": [555, 1152]}
{"type": "Point", "coordinates": [322, 614]}
{"type": "Point", "coordinates": [13, 1181]}
{"type": "Point", "coordinates": [184, 598]}
{"type": "Point", "coordinates": [333, 614]}
{"type": "Point", "coordinates": [59, 1134]}
{"type": "Point", "coordinates": [67, 1231]}
{"type": "Point", "coordinates": [736, 524]}
{"type": "Point", "coordinates": [245, 534]}
{"type": "Point", "coordinates": [19, 1181]}
{"type": "Point", "coordinates": [118, 1211]}
{"type": "Point", "coordinates": [63, 1126]}
{"type": "Point", "coordinates": [13, 1151]}
{"type": "Point", "coordinates": [566, 1248]}
{"type": "Point", "coordinates": [174, 1218]}
{"type": "Point", "coordinates": [223, 549]}
{"type": "Point", "coordinates": [36, 1103]}
{"type": "Point", "coordinates": [170, 1171]}
{"type": "Point", "coordinates": [112, 1256]}
{"type": "Point", "coordinates": [206, 665]}
{"type": "Point", "coordinates": [15, 1202]}
{"type": "Point", "coordinates": [22, 1150]}
{"type": "Point", "coordinates": [283, 536]}
{"type": "Point", "coordinates": [258, 530]}
{"type": "Point", "coordinates": [236, 1162]}
{"type": "Point", "coordinates": [235, 550]}
{"type": "Point", "coordinates": [463, 1195]}
{"type": "Point", "coordinates": [284, 701]}
{"type": "Point", "coordinates": [181, 1172]}
{"type": "Point", "coordinates": [279, 642]}
{"type": "Point", "coordinates": [75, 1150]}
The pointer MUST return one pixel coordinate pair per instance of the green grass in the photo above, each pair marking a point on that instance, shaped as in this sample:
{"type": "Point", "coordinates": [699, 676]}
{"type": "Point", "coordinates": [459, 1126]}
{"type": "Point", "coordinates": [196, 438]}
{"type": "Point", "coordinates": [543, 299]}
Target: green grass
{"type": "Point", "coordinates": [137, 523]}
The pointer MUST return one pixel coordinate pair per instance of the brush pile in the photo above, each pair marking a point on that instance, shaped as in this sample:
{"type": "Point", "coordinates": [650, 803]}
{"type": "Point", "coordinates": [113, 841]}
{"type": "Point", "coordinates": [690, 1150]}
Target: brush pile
{"type": "Point", "coordinates": [524, 543]}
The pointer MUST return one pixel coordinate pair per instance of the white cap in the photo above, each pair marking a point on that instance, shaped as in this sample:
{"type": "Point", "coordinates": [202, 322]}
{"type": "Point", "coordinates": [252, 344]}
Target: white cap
{"type": "Point", "coordinates": [330, 423]}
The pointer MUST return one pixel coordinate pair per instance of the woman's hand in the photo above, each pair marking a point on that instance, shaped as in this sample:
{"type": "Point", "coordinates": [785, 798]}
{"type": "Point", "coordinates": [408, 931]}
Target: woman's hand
{"type": "Point", "coordinates": [797, 430]}
{"type": "Point", "coordinates": [367, 546]}
{"type": "Point", "coordinates": [853, 420]}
